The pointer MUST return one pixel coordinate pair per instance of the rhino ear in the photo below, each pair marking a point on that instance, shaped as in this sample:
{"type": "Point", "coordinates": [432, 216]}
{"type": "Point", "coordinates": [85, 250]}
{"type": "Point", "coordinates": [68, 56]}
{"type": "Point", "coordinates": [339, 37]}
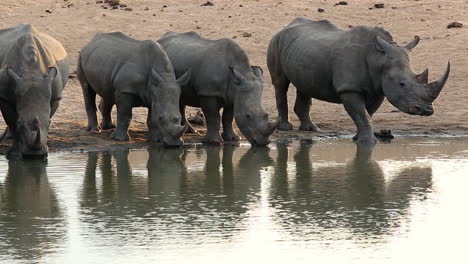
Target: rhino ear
{"type": "Point", "coordinates": [52, 73]}
{"type": "Point", "coordinates": [257, 71]}
{"type": "Point", "coordinates": [238, 77]}
{"type": "Point", "coordinates": [185, 78]}
{"type": "Point", "coordinates": [383, 45]}
{"type": "Point", "coordinates": [413, 43]}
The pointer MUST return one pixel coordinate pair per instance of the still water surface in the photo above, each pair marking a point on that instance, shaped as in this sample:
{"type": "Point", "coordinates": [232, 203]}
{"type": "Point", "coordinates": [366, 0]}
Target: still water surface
{"type": "Point", "coordinates": [327, 202]}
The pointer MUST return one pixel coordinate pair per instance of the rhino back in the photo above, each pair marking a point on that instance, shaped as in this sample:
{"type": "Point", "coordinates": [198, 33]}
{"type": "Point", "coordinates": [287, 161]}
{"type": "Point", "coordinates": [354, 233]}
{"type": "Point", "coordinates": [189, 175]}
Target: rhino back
{"type": "Point", "coordinates": [312, 55]}
{"type": "Point", "coordinates": [115, 61]}
{"type": "Point", "coordinates": [209, 61]}
{"type": "Point", "coordinates": [24, 48]}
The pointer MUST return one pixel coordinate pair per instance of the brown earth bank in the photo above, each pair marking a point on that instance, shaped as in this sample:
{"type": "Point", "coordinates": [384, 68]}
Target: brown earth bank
{"type": "Point", "coordinates": [252, 24]}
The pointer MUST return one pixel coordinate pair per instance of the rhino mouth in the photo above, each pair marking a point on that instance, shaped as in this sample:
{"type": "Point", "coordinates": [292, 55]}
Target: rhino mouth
{"type": "Point", "coordinates": [34, 155]}
{"type": "Point", "coordinates": [421, 111]}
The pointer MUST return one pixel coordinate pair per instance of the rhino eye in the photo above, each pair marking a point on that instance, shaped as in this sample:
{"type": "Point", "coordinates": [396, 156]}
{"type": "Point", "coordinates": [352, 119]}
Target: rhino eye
{"type": "Point", "coordinates": [248, 116]}
{"type": "Point", "coordinates": [402, 84]}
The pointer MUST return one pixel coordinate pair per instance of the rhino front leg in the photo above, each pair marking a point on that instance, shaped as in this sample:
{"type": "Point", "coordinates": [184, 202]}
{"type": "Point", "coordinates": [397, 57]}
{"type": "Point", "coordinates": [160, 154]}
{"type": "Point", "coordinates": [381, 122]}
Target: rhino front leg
{"type": "Point", "coordinates": [372, 108]}
{"type": "Point", "coordinates": [355, 106]}
{"type": "Point", "coordinates": [228, 131]}
{"type": "Point", "coordinates": [124, 115]}
{"type": "Point", "coordinates": [105, 106]}
{"type": "Point", "coordinates": [302, 109]}
{"type": "Point", "coordinates": [210, 109]}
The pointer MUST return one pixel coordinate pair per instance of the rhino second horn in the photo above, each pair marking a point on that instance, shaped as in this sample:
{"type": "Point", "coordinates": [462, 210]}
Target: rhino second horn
{"type": "Point", "coordinates": [434, 88]}
{"type": "Point", "coordinates": [423, 78]}
{"type": "Point", "coordinates": [272, 127]}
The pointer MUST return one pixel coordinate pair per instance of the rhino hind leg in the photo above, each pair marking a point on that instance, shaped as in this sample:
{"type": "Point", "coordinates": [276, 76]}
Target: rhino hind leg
{"type": "Point", "coordinates": [124, 116]}
{"type": "Point", "coordinates": [106, 108]}
{"type": "Point", "coordinates": [302, 109]}
{"type": "Point", "coordinates": [89, 96]}
{"type": "Point", "coordinates": [281, 84]}
{"type": "Point", "coordinates": [228, 131]}
{"type": "Point", "coordinates": [210, 109]}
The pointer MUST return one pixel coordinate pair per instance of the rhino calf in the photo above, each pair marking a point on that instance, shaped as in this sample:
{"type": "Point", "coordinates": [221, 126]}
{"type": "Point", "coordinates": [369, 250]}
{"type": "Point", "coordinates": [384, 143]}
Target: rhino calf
{"type": "Point", "coordinates": [221, 78]}
{"type": "Point", "coordinates": [131, 73]}
{"type": "Point", "coordinates": [34, 69]}
{"type": "Point", "coordinates": [357, 68]}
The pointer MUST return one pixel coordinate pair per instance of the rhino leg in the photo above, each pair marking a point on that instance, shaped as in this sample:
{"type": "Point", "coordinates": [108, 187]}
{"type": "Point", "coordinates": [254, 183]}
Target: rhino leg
{"type": "Point", "coordinates": [210, 109]}
{"type": "Point", "coordinates": [281, 93]}
{"type": "Point", "coordinates": [228, 131]}
{"type": "Point", "coordinates": [372, 108]}
{"type": "Point", "coordinates": [124, 115]}
{"type": "Point", "coordinates": [89, 96]}
{"type": "Point", "coordinates": [356, 108]}
{"type": "Point", "coordinates": [190, 128]}
{"type": "Point", "coordinates": [105, 106]}
{"type": "Point", "coordinates": [302, 109]}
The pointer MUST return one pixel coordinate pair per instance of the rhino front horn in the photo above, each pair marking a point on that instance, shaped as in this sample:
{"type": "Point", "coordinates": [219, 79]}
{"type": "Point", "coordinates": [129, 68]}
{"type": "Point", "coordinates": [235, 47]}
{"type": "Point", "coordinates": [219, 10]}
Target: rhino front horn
{"type": "Point", "coordinates": [37, 140]}
{"type": "Point", "coordinates": [434, 88]}
{"type": "Point", "coordinates": [183, 129]}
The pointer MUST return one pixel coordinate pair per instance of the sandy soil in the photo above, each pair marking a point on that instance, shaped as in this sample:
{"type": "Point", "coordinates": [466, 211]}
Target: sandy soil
{"type": "Point", "coordinates": [75, 22]}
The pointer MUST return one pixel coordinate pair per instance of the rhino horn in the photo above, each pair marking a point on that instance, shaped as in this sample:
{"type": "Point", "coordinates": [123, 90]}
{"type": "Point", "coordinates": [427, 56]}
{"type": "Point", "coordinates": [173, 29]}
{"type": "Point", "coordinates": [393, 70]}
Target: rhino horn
{"type": "Point", "coordinates": [183, 129]}
{"type": "Point", "coordinates": [434, 88]}
{"type": "Point", "coordinates": [13, 74]}
{"type": "Point", "coordinates": [423, 78]}
{"type": "Point", "coordinates": [413, 43]}
{"type": "Point", "coordinates": [37, 140]}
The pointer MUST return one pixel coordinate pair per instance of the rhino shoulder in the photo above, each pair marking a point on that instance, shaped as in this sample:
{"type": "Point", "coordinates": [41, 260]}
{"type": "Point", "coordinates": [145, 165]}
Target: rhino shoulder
{"type": "Point", "coordinates": [319, 24]}
{"type": "Point", "coordinates": [364, 34]}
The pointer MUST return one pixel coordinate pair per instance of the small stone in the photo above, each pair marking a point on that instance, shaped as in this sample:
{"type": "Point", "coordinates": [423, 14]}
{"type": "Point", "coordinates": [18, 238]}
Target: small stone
{"type": "Point", "coordinates": [198, 27]}
{"type": "Point", "coordinates": [321, 10]}
{"type": "Point", "coordinates": [234, 37]}
{"type": "Point", "coordinates": [128, 9]}
{"type": "Point", "coordinates": [123, 5]}
{"type": "Point", "coordinates": [99, 2]}
{"type": "Point", "coordinates": [240, 5]}
{"type": "Point", "coordinates": [246, 35]}
{"type": "Point", "coordinates": [115, 7]}
{"type": "Point", "coordinates": [114, 2]}
{"type": "Point", "coordinates": [207, 3]}
{"type": "Point", "coordinates": [103, 14]}
{"type": "Point", "coordinates": [154, 14]}
{"type": "Point", "coordinates": [455, 24]}
{"type": "Point", "coordinates": [164, 6]}
{"type": "Point", "coordinates": [342, 3]}
{"type": "Point", "coordinates": [70, 5]}
{"type": "Point", "coordinates": [104, 7]}
{"type": "Point", "coordinates": [380, 5]}
{"type": "Point", "coordinates": [146, 8]}
{"type": "Point", "coordinates": [48, 11]}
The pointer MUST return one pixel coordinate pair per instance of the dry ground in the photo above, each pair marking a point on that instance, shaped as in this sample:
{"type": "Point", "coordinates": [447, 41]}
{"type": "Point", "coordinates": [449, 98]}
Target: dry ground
{"type": "Point", "coordinates": [75, 22]}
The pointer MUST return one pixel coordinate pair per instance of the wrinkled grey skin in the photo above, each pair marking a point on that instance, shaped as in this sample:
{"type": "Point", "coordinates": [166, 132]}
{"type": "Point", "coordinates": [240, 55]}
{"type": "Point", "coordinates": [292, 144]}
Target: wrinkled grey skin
{"type": "Point", "coordinates": [33, 71]}
{"type": "Point", "coordinates": [357, 68]}
{"type": "Point", "coordinates": [131, 73]}
{"type": "Point", "coordinates": [221, 78]}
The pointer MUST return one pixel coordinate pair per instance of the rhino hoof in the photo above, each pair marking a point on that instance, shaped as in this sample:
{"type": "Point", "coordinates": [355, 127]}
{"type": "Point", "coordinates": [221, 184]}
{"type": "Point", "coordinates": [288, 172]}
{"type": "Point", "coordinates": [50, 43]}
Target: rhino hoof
{"type": "Point", "coordinates": [212, 141]}
{"type": "Point", "coordinates": [107, 126]}
{"type": "Point", "coordinates": [230, 137]}
{"type": "Point", "coordinates": [285, 126]}
{"type": "Point", "coordinates": [93, 129]}
{"type": "Point", "coordinates": [120, 136]}
{"type": "Point", "coordinates": [309, 127]}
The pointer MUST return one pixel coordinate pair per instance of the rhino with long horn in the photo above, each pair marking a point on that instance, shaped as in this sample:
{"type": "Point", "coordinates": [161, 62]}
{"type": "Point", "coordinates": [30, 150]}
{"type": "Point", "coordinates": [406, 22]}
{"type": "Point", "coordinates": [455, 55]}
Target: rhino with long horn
{"type": "Point", "coordinates": [358, 68]}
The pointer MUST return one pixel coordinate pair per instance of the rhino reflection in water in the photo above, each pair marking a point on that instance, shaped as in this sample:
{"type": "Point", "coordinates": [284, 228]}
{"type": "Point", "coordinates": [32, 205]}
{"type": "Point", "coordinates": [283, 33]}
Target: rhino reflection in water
{"type": "Point", "coordinates": [357, 68]}
{"type": "Point", "coordinates": [31, 221]}
{"type": "Point", "coordinates": [354, 196]}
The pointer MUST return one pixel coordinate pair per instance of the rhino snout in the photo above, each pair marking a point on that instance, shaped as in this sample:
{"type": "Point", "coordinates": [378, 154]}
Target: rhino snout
{"type": "Point", "coordinates": [421, 110]}
{"type": "Point", "coordinates": [172, 142]}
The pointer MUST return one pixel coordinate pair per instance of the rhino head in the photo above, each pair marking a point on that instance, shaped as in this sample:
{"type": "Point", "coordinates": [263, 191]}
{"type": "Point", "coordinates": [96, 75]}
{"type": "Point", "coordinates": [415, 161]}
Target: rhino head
{"type": "Point", "coordinates": [33, 94]}
{"type": "Point", "coordinates": [409, 92]}
{"type": "Point", "coordinates": [250, 116]}
{"type": "Point", "coordinates": [165, 118]}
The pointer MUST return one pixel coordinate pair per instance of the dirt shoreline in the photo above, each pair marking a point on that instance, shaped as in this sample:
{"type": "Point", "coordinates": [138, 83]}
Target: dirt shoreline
{"type": "Point", "coordinates": [252, 24]}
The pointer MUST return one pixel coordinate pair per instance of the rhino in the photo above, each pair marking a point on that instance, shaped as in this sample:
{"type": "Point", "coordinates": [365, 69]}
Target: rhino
{"type": "Point", "coordinates": [131, 73]}
{"type": "Point", "coordinates": [357, 68]}
{"type": "Point", "coordinates": [222, 77]}
{"type": "Point", "coordinates": [34, 69]}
